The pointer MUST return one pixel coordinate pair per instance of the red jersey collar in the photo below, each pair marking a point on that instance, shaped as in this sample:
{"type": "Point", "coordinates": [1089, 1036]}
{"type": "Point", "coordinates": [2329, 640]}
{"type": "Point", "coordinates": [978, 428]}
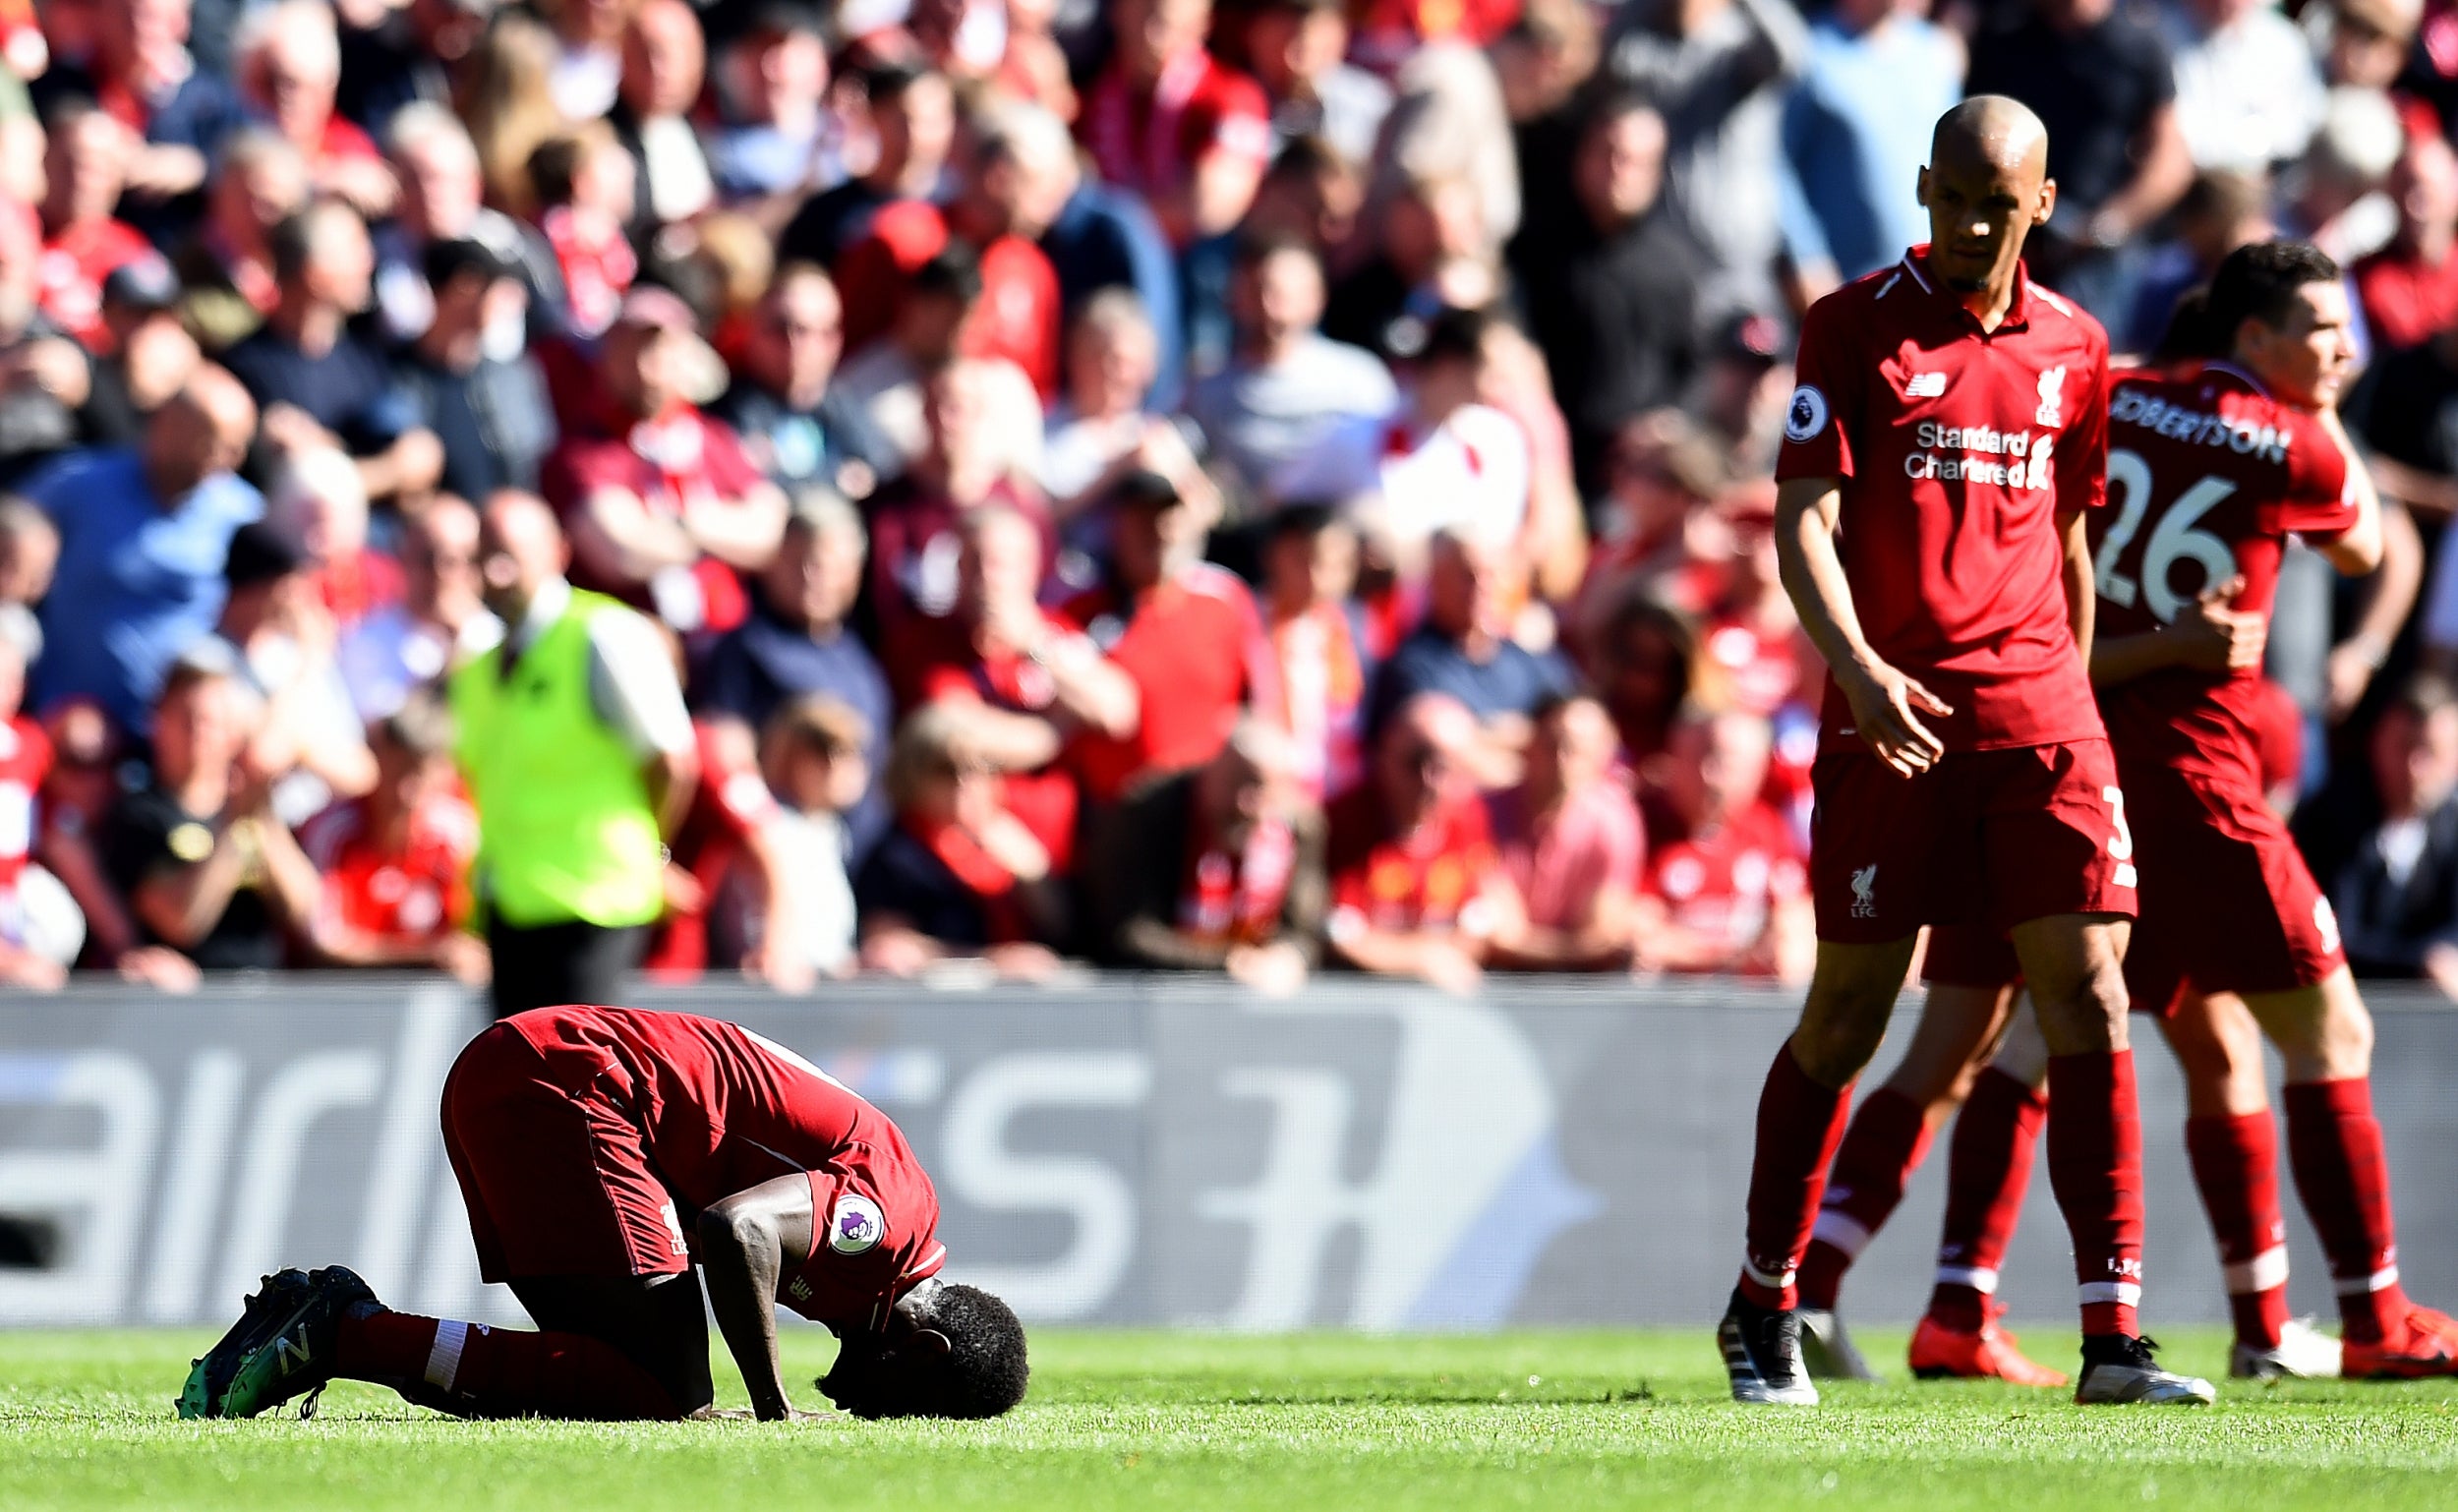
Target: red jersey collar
{"type": "Point", "coordinates": [1915, 266]}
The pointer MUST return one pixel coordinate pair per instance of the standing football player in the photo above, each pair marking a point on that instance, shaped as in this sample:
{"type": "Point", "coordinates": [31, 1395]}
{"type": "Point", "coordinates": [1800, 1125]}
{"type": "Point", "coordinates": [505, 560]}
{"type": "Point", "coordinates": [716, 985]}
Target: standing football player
{"type": "Point", "coordinates": [605, 1154]}
{"type": "Point", "coordinates": [1944, 447]}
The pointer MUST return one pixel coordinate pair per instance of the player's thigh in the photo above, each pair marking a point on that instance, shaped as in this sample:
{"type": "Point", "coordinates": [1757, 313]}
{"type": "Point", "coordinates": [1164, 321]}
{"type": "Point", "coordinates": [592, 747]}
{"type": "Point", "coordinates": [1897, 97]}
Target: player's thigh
{"type": "Point", "coordinates": [2323, 1031]}
{"type": "Point", "coordinates": [2218, 1046]}
{"type": "Point", "coordinates": [2227, 904]}
{"type": "Point", "coordinates": [659, 1322]}
{"type": "Point", "coordinates": [1886, 852]}
{"type": "Point", "coordinates": [2073, 964]}
{"type": "Point", "coordinates": [1851, 996]}
{"type": "Point", "coordinates": [1959, 1027]}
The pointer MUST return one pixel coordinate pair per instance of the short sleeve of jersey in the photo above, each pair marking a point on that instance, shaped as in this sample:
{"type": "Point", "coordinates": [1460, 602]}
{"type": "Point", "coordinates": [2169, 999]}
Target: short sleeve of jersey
{"type": "Point", "coordinates": [2320, 498]}
{"type": "Point", "coordinates": [1826, 406]}
{"type": "Point", "coordinates": [2082, 448]}
{"type": "Point", "coordinates": [872, 1236]}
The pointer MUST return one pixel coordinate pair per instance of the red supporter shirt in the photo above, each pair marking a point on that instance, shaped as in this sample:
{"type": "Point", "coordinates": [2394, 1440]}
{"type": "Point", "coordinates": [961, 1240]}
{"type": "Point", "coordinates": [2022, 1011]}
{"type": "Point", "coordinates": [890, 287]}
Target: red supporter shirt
{"type": "Point", "coordinates": [422, 893]}
{"type": "Point", "coordinates": [1723, 882]}
{"type": "Point", "coordinates": [721, 1110]}
{"type": "Point", "coordinates": [1018, 315]}
{"type": "Point", "coordinates": [25, 761]}
{"type": "Point", "coordinates": [671, 465]}
{"type": "Point", "coordinates": [1322, 697]}
{"type": "Point", "coordinates": [1955, 448]}
{"type": "Point", "coordinates": [74, 265]}
{"type": "Point", "coordinates": [598, 271]}
{"type": "Point", "coordinates": [1150, 141]}
{"type": "Point", "coordinates": [946, 664]}
{"type": "Point", "coordinates": [916, 544]}
{"type": "Point", "coordinates": [1429, 880]}
{"type": "Point", "coordinates": [2406, 300]}
{"type": "Point", "coordinates": [1195, 649]}
{"type": "Point", "coordinates": [2208, 476]}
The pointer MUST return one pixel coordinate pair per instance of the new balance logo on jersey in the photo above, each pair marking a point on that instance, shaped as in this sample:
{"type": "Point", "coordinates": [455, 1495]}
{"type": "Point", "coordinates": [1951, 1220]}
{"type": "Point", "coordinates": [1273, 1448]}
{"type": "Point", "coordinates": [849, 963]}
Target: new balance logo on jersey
{"type": "Point", "coordinates": [1864, 892]}
{"type": "Point", "coordinates": [2052, 410]}
{"type": "Point", "coordinates": [1924, 385]}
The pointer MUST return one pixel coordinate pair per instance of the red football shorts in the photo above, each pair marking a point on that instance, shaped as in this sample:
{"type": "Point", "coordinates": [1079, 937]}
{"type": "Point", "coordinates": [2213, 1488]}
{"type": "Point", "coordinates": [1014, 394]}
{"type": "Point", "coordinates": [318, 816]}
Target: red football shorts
{"type": "Point", "coordinates": [2227, 904]}
{"type": "Point", "coordinates": [1988, 838]}
{"type": "Point", "coordinates": [553, 1172]}
{"type": "Point", "coordinates": [1970, 956]}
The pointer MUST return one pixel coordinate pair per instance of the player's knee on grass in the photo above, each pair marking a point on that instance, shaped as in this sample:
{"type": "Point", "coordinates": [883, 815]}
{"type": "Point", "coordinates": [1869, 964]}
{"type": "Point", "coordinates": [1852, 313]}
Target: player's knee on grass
{"type": "Point", "coordinates": [957, 1352]}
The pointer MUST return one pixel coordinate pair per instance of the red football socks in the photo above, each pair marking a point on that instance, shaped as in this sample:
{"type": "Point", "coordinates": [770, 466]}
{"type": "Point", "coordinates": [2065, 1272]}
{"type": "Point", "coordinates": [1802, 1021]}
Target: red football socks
{"type": "Point", "coordinates": [1988, 1169]}
{"type": "Point", "coordinates": [1800, 1124]}
{"type": "Point", "coordinates": [2334, 1144]}
{"type": "Point", "coordinates": [1889, 1135]}
{"type": "Point", "coordinates": [476, 1371]}
{"type": "Point", "coordinates": [2095, 1167]}
{"type": "Point", "coordinates": [2236, 1165]}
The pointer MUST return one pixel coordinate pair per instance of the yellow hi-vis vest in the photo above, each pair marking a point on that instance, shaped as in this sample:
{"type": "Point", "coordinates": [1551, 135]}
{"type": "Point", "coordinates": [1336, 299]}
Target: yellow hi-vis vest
{"type": "Point", "coordinates": [566, 827]}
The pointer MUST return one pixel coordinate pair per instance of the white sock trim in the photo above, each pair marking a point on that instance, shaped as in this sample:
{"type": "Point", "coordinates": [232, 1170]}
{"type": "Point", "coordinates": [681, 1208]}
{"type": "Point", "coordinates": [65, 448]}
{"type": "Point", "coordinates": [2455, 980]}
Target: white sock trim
{"type": "Point", "coordinates": [2379, 1281]}
{"type": "Point", "coordinates": [1764, 1279]}
{"type": "Point", "coordinates": [1980, 1278]}
{"type": "Point", "coordinates": [2264, 1272]}
{"type": "Point", "coordinates": [443, 1358]}
{"type": "Point", "coordinates": [1840, 1230]}
{"type": "Point", "coordinates": [2127, 1293]}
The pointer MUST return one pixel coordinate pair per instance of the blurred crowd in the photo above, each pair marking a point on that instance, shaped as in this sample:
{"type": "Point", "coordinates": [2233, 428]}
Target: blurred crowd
{"type": "Point", "coordinates": [979, 486]}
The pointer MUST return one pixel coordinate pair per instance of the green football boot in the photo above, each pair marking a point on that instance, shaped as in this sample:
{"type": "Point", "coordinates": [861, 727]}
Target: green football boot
{"type": "Point", "coordinates": [283, 1346]}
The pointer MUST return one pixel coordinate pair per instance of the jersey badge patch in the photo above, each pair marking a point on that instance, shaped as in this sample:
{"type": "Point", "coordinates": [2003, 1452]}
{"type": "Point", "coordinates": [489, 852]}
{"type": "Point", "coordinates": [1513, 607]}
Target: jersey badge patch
{"type": "Point", "coordinates": [854, 1225]}
{"type": "Point", "coordinates": [1807, 415]}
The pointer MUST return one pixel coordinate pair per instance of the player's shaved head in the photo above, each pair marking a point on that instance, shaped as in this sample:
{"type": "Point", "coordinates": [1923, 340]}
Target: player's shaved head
{"type": "Point", "coordinates": [1993, 129]}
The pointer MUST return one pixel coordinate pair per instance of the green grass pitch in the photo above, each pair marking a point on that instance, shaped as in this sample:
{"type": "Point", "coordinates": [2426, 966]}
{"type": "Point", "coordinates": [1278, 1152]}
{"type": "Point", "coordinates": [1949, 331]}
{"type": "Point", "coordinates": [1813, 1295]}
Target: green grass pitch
{"type": "Point", "coordinates": [1170, 1420]}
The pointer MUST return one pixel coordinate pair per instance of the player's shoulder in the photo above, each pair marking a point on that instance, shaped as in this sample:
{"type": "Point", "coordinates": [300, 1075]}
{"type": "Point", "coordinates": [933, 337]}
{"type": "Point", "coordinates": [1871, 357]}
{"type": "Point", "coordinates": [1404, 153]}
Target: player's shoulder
{"type": "Point", "coordinates": [2054, 316]}
{"type": "Point", "coordinates": [1855, 304]}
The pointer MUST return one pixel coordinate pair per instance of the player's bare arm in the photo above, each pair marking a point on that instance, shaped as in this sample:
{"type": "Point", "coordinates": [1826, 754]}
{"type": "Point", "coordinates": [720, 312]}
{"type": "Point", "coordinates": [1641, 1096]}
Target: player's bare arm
{"type": "Point", "coordinates": [2082, 590]}
{"type": "Point", "coordinates": [2358, 553]}
{"type": "Point", "coordinates": [743, 1243]}
{"type": "Point", "coordinates": [2212, 637]}
{"type": "Point", "coordinates": [1887, 704]}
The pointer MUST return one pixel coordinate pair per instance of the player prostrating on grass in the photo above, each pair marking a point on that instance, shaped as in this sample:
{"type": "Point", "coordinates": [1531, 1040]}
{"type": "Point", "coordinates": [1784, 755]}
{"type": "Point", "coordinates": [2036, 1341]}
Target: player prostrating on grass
{"type": "Point", "coordinates": [604, 1153]}
{"type": "Point", "coordinates": [2213, 463]}
{"type": "Point", "coordinates": [1947, 440]}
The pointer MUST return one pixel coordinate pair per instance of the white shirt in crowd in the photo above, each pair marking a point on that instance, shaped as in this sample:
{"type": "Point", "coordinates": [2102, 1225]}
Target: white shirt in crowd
{"type": "Point", "coordinates": [1470, 472]}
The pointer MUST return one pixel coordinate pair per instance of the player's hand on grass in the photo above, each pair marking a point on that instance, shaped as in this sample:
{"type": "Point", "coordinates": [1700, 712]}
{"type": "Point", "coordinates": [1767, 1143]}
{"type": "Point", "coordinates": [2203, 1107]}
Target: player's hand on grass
{"type": "Point", "coordinates": [2212, 637]}
{"type": "Point", "coordinates": [1887, 707]}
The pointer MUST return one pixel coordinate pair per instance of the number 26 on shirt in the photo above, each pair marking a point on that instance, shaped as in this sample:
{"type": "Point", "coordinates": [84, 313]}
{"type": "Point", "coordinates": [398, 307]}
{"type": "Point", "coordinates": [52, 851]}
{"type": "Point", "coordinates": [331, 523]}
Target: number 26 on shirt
{"type": "Point", "coordinates": [2174, 538]}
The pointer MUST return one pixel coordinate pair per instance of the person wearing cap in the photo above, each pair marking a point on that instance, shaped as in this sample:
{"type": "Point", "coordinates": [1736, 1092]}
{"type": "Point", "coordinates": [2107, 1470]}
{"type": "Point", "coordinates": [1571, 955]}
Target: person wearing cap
{"type": "Point", "coordinates": [152, 353]}
{"type": "Point", "coordinates": [577, 750]}
{"type": "Point", "coordinates": [305, 735]}
{"type": "Point", "coordinates": [142, 536]}
{"type": "Point", "coordinates": [662, 506]}
{"type": "Point", "coordinates": [321, 384]}
{"type": "Point", "coordinates": [1185, 631]}
{"type": "Point", "coordinates": [85, 164]}
{"type": "Point", "coordinates": [208, 869]}
{"type": "Point", "coordinates": [489, 412]}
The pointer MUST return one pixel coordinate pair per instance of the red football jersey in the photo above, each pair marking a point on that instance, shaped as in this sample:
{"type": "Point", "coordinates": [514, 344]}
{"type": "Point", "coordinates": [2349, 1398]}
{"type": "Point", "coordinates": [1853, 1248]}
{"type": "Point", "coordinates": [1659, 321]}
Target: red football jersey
{"type": "Point", "coordinates": [419, 892]}
{"type": "Point", "coordinates": [1727, 881]}
{"type": "Point", "coordinates": [1195, 649]}
{"type": "Point", "coordinates": [1955, 448]}
{"type": "Point", "coordinates": [25, 761]}
{"type": "Point", "coordinates": [2207, 477]}
{"type": "Point", "coordinates": [1432, 880]}
{"type": "Point", "coordinates": [721, 1110]}
{"type": "Point", "coordinates": [1150, 141]}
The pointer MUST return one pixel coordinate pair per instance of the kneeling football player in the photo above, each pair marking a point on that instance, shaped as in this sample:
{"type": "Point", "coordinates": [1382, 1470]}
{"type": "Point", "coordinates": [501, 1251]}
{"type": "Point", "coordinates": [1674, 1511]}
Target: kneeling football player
{"type": "Point", "coordinates": [604, 1153]}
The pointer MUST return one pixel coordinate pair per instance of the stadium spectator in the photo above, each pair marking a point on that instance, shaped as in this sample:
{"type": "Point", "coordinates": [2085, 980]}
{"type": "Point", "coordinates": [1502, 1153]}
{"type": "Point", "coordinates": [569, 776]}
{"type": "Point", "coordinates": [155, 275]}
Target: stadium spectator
{"type": "Point", "coordinates": [1716, 73]}
{"type": "Point", "coordinates": [208, 869]}
{"type": "Point", "coordinates": [44, 375]}
{"type": "Point", "coordinates": [142, 534]}
{"type": "Point", "coordinates": [1286, 386]}
{"type": "Point", "coordinates": [320, 383]}
{"type": "Point", "coordinates": [781, 142]}
{"type": "Point", "coordinates": [1613, 284]}
{"type": "Point", "coordinates": [1855, 130]}
{"type": "Point", "coordinates": [1643, 664]}
{"type": "Point", "coordinates": [794, 425]}
{"type": "Point", "coordinates": [305, 735]}
{"type": "Point", "coordinates": [490, 414]}
{"type": "Point", "coordinates": [1319, 646]}
{"type": "Point", "coordinates": [588, 66]}
{"type": "Point", "coordinates": [934, 313]}
{"type": "Point", "coordinates": [29, 959]}
{"type": "Point", "coordinates": [573, 736]}
{"type": "Point", "coordinates": [395, 863]}
{"type": "Point", "coordinates": [662, 506]}
{"type": "Point", "coordinates": [813, 756]}
{"type": "Point", "coordinates": [1184, 632]}
{"type": "Point", "coordinates": [1217, 868]}
{"type": "Point", "coordinates": [2396, 894]}
{"type": "Point", "coordinates": [1172, 123]}
{"type": "Point", "coordinates": [30, 558]}
{"type": "Point", "coordinates": [1464, 650]}
{"type": "Point", "coordinates": [1417, 890]}
{"type": "Point", "coordinates": [2248, 92]}
{"type": "Point", "coordinates": [1098, 430]}
{"type": "Point", "coordinates": [1104, 238]}
{"type": "Point", "coordinates": [2334, 197]}
{"type": "Point", "coordinates": [795, 645]}
{"type": "Point", "coordinates": [439, 623]}
{"type": "Point", "coordinates": [226, 268]}
{"type": "Point", "coordinates": [585, 185]}
{"type": "Point", "coordinates": [2223, 209]}
{"type": "Point", "coordinates": [152, 354]}
{"type": "Point", "coordinates": [1299, 49]}
{"type": "Point", "coordinates": [2099, 76]}
{"type": "Point", "coordinates": [2368, 41]}
{"type": "Point", "coordinates": [664, 65]}
{"type": "Point", "coordinates": [1725, 887]}
{"type": "Point", "coordinates": [1571, 842]}
{"type": "Point", "coordinates": [85, 165]}
{"type": "Point", "coordinates": [506, 96]}
{"type": "Point", "coordinates": [140, 70]}
{"type": "Point", "coordinates": [912, 125]}
{"type": "Point", "coordinates": [958, 875]}
{"type": "Point", "coordinates": [2409, 289]}
{"type": "Point", "coordinates": [1428, 251]}
{"type": "Point", "coordinates": [288, 67]}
